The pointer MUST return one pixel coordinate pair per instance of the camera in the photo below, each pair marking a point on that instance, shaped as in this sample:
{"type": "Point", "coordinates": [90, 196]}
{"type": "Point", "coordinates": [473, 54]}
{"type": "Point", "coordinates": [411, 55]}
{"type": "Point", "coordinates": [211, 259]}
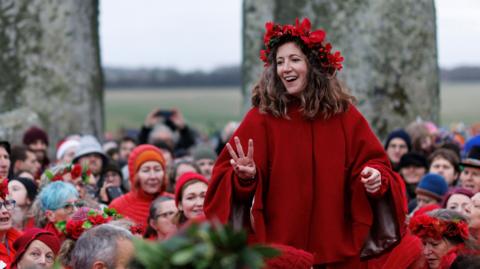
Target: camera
{"type": "Point", "coordinates": [164, 113]}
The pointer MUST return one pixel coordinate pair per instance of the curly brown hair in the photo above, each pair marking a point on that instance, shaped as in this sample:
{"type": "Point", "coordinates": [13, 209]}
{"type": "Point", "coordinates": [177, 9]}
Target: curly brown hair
{"type": "Point", "coordinates": [324, 95]}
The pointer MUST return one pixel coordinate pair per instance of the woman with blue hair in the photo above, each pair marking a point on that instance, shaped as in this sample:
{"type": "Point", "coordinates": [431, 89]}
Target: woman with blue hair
{"type": "Point", "coordinates": [56, 204]}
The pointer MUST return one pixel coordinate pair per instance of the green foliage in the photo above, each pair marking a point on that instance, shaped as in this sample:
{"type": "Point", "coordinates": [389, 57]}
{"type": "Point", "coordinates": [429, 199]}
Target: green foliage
{"type": "Point", "coordinates": [201, 246]}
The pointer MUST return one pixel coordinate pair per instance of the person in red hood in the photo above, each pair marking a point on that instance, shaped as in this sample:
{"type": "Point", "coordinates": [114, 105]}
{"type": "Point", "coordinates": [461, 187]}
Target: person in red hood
{"type": "Point", "coordinates": [148, 179]}
{"type": "Point", "coordinates": [318, 171]}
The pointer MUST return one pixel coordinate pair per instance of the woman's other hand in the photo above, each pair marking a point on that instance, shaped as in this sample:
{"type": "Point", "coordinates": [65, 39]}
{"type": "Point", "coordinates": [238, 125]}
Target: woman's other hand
{"type": "Point", "coordinates": [371, 179]}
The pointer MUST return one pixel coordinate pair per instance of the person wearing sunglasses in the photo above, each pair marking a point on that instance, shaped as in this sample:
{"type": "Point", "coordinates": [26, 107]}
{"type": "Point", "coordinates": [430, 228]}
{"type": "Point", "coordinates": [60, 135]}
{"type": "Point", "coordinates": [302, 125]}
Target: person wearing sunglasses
{"type": "Point", "coordinates": [8, 234]}
{"type": "Point", "coordinates": [57, 201]}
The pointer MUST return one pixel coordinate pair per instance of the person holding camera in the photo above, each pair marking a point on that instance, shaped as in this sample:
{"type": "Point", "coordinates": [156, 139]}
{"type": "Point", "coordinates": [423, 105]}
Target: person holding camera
{"type": "Point", "coordinates": [110, 186]}
{"type": "Point", "coordinates": [168, 126]}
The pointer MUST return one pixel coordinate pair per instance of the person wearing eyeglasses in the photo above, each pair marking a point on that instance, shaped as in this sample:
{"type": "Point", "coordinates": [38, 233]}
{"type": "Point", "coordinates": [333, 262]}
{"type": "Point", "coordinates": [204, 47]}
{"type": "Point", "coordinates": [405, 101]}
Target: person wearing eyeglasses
{"type": "Point", "coordinates": [8, 234]}
{"type": "Point", "coordinates": [35, 248]}
{"type": "Point", "coordinates": [161, 218]}
{"type": "Point", "coordinates": [58, 201]}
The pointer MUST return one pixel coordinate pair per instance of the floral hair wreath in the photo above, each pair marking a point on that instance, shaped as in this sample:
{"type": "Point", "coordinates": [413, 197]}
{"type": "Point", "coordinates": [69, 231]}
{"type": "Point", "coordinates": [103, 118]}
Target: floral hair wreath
{"type": "Point", "coordinates": [425, 226]}
{"type": "Point", "coordinates": [312, 39]}
{"type": "Point", "coordinates": [76, 170]}
{"type": "Point", "coordinates": [4, 189]}
{"type": "Point", "coordinates": [73, 229]}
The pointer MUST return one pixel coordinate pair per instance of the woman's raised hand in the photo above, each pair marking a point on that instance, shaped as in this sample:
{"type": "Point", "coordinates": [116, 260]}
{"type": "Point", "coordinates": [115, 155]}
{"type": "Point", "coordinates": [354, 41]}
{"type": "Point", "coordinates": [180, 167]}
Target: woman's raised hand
{"type": "Point", "coordinates": [244, 166]}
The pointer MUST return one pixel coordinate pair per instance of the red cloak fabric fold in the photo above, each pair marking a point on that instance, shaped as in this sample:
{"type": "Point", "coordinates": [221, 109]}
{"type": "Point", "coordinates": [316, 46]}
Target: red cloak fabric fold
{"type": "Point", "coordinates": [307, 192]}
{"type": "Point", "coordinates": [134, 205]}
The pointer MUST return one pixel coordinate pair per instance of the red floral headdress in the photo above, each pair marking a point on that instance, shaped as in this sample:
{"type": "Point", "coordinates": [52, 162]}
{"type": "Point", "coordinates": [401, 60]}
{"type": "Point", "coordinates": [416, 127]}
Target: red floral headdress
{"type": "Point", "coordinates": [4, 189]}
{"type": "Point", "coordinates": [430, 227]}
{"type": "Point", "coordinates": [313, 40]}
{"type": "Point", "coordinates": [74, 228]}
{"type": "Point", "coordinates": [76, 170]}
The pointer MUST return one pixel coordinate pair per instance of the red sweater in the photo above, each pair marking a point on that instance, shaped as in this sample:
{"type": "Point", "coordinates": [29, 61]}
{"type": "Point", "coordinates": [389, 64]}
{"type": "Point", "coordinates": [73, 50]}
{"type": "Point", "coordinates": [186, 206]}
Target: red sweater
{"type": "Point", "coordinates": [307, 192]}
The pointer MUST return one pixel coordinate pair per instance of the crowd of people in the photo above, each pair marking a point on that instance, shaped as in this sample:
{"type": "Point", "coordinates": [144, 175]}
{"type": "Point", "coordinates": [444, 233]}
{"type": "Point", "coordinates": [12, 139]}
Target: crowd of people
{"type": "Point", "coordinates": [303, 171]}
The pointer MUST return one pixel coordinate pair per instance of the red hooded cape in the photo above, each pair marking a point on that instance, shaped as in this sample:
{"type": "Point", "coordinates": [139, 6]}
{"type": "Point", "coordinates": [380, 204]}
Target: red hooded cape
{"type": "Point", "coordinates": [307, 192]}
{"type": "Point", "coordinates": [135, 205]}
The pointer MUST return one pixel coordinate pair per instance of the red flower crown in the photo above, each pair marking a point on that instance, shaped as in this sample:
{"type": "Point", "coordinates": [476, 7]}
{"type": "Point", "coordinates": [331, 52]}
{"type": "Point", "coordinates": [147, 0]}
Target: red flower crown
{"type": "Point", "coordinates": [430, 227]}
{"type": "Point", "coordinates": [73, 229]}
{"type": "Point", "coordinates": [4, 189]}
{"type": "Point", "coordinates": [313, 40]}
{"type": "Point", "coordinates": [76, 170]}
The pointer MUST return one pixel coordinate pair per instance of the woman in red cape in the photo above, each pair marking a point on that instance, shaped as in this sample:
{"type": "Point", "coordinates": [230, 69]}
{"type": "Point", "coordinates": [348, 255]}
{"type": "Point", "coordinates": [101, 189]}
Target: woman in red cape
{"type": "Point", "coordinates": [317, 176]}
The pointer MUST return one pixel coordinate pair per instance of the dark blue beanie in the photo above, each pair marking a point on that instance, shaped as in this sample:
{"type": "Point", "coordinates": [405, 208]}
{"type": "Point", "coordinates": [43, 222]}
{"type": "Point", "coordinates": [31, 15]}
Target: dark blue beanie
{"type": "Point", "coordinates": [400, 133]}
{"type": "Point", "coordinates": [432, 185]}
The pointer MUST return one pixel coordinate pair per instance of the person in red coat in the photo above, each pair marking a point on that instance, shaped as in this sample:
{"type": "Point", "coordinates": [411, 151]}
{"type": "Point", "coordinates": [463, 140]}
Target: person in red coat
{"type": "Point", "coordinates": [317, 167]}
{"type": "Point", "coordinates": [146, 166]}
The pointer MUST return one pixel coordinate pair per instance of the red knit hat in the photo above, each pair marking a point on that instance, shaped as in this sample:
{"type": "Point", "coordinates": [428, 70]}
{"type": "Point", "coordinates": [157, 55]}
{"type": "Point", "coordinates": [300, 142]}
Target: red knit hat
{"type": "Point", "coordinates": [141, 155]}
{"type": "Point", "coordinates": [33, 134]}
{"type": "Point", "coordinates": [183, 179]}
{"type": "Point", "coordinates": [21, 244]}
{"type": "Point", "coordinates": [291, 258]}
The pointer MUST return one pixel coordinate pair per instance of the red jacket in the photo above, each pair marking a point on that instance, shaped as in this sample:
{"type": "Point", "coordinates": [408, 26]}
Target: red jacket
{"type": "Point", "coordinates": [307, 192]}
{"type": "Point", "coordinates": [7, 253]}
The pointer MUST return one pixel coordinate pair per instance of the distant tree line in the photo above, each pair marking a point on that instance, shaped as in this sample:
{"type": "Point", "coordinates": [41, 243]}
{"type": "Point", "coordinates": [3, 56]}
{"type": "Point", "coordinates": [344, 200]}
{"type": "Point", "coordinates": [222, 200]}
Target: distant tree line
{"type": "Point", "coordinates": [169, 77]}
{"type": "Point", "coordinates": [223, 76]}
{"type": "Point", "coordinates": [463, 73]}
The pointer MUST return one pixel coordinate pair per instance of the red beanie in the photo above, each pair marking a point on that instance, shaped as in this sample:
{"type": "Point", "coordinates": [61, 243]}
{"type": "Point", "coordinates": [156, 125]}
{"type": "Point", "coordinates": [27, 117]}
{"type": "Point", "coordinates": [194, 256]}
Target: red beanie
{"type": "Point", "coordinates": [184, 179]}
{"type": "Point", "coordinates": [33, 134]}
{"type": "Point", "coordinates": [141, 155]}
{"type": "Point", "coordinates": [21, 244]}
{"type": "Point", "coordinates": [291, 258]}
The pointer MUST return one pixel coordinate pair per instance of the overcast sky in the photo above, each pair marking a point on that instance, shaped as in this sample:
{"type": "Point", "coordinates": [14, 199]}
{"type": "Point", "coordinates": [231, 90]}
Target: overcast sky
{"type": "Point", "coordinates": [207, 33]}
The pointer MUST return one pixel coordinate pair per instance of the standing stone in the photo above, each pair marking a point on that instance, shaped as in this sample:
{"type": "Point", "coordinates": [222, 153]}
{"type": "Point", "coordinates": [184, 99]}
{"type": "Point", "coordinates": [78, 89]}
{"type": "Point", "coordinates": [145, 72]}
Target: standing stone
{"type": "Point", "coordinates": [50, 73]}
{"type": "Point", "coordinates": [389, 48]}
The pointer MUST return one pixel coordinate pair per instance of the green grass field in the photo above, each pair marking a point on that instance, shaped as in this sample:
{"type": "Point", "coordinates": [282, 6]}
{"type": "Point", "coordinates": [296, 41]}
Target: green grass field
{"type": "Point", "coordinates": [209, 109]}
{"type": "Point", "coordinates": [206, 109]}
{"type": "Point", "coordinates": [460, 102]}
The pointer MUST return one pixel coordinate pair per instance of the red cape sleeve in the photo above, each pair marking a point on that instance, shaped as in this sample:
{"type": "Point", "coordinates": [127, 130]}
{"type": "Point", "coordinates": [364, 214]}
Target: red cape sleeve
{"type": "Point", "coordinates": [225, 193]}
{"type": "Point", "coordinates": [364, 149]}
